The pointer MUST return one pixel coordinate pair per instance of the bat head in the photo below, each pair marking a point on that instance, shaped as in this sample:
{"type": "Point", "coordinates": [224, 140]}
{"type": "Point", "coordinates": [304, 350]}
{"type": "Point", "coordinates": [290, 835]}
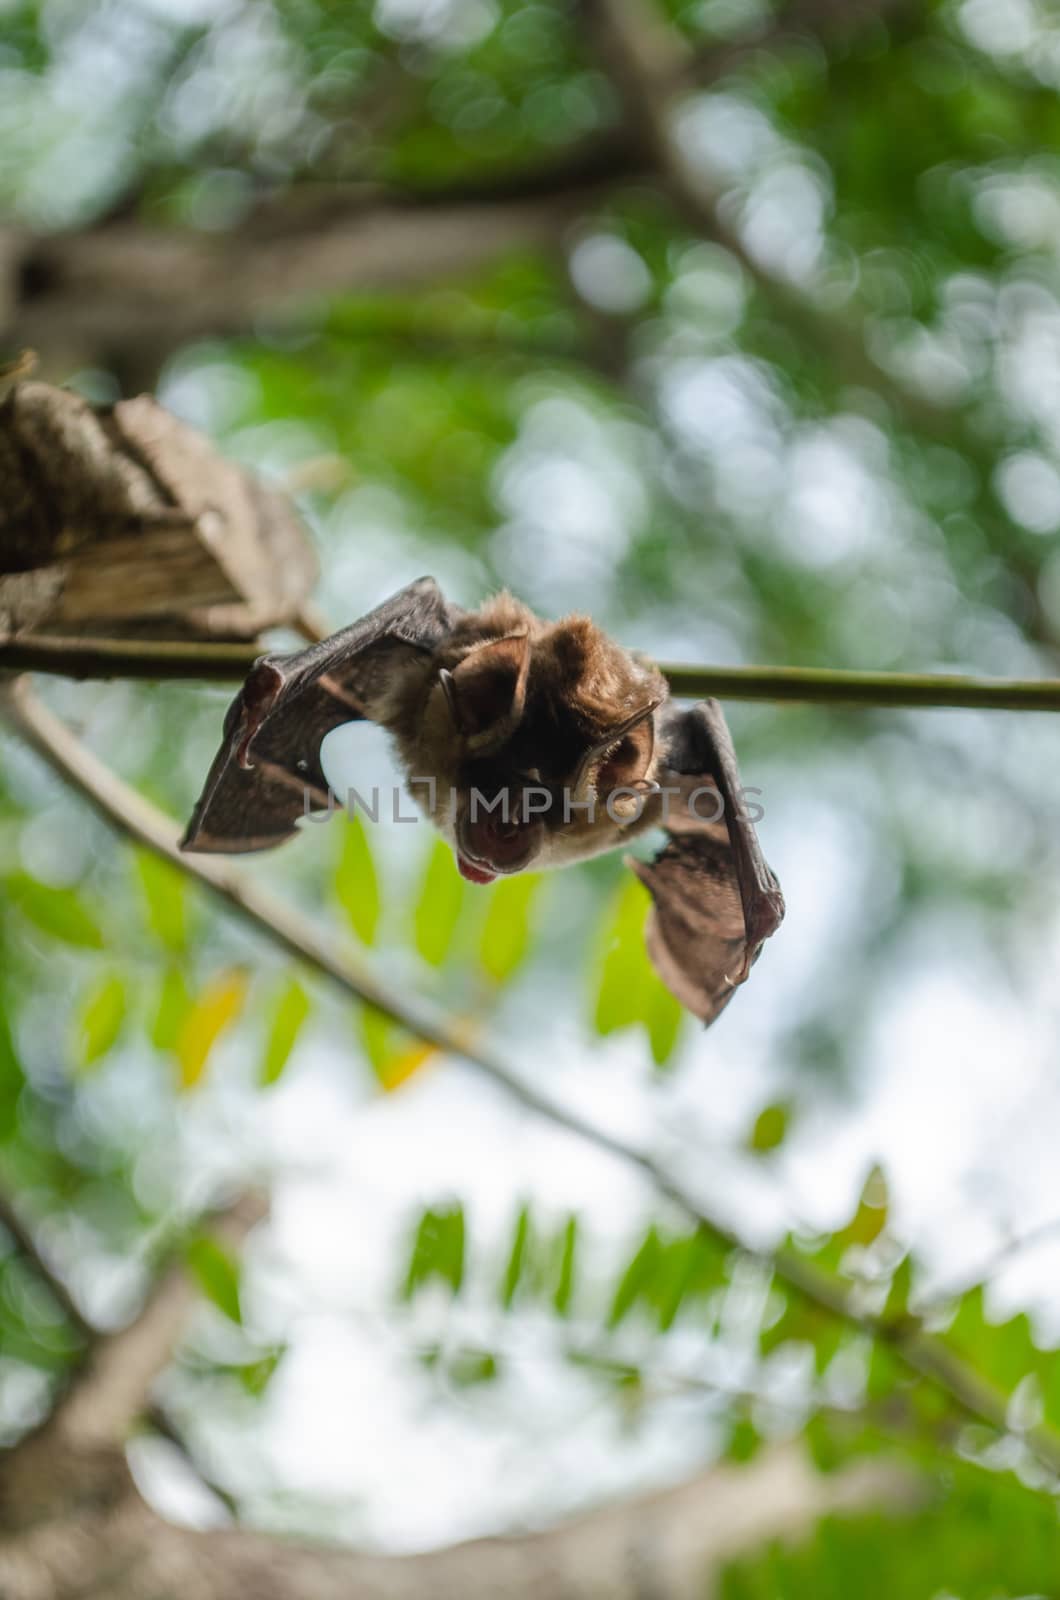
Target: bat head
{"type": "Point", "coordinates": [540, 738]}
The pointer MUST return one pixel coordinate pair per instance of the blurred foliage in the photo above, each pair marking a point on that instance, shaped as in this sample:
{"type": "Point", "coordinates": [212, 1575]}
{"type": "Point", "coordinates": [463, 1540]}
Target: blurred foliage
{"type": "Point", "coordinates": [842, 448]}
{"type": "Point", "coordinates": [682, 1310]}
{"type": "Point", "coordinates": [979, 1536]}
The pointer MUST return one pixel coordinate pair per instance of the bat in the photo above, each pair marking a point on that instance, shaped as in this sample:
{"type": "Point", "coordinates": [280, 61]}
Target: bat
{"type": "Point", "coordinates": [528, 744]}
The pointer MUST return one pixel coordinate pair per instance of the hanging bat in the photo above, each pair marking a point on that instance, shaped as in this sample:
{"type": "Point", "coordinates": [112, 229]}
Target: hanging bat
{"type": "Point", "coordinates": [529, 744]}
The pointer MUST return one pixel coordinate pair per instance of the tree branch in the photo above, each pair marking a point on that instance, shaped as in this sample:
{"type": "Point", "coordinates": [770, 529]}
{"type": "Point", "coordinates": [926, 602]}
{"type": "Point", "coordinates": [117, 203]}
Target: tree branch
{"type": "Point", "coordinates": [109, 1392]}
{"type": "Point", "coordinates": [826, 686]}
{"type": "Point", "coordinates": [158, 1422]}
{"type": "Point", "coordinates": [130, 287]}
{"type": "Point", "coordinates": [674, 1541]}
{"type": "Point", "coordinates": [645, 59]}
{"type": "Point", "coordinates": [159, 660]}
{"type": "Point", "coordinates": [192, 659]}
{"type": "Point", "coordinates": [923, 1354]}
{"type": "Point", "coordinates": [988, 1268]}
{"type": "Point", "coordinates": [26, 1244]}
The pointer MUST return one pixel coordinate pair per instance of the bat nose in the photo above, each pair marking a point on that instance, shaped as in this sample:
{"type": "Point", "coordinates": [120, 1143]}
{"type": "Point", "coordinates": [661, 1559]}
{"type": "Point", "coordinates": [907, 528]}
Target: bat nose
{"type": "Point", "coordinates": [505, 844]}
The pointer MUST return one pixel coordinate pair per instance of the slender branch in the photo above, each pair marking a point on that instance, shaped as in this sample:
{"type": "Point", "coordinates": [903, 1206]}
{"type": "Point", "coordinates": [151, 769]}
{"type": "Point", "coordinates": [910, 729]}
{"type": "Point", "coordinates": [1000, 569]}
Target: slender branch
{"type": "Point", "coordinates": [107, 1394]}
{"type": "Point", "coordinates": [826, 686]}
{"type": "Point", "coordinates": [226, 662]}
{"type": "Point", "coordinates": [85, 657]}
{"type": "Point", "coordinates": [120, 805]}
{"type": "Point", "coordinates": [895, 1414]}
{"type": "Point", "coordinates": [135, 1354]}
{"type": "Point", "coordinates": [124, 808]}
{"type": "Point", "coordinates": [645, 57]}
{"type": "Point", "coordinates": [1005, 1252]}
{"type": "Point", "coordinates": [158, 1421]}
{"type": "Point", "coordinates": [26, 1244]}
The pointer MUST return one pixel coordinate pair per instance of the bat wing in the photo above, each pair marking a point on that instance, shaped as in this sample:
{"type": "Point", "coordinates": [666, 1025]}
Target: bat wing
{"type": "Point", "coordinates": [267, 772]}
{"type": "Point", "coordinates": [715, 898]}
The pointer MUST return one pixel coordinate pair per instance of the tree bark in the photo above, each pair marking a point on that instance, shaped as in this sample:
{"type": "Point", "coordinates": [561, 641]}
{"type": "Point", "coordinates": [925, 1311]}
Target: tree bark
{"type": "Point", "coordinates": [128, 291]}
{"type": "Point", "coordinates": [672, 1544]}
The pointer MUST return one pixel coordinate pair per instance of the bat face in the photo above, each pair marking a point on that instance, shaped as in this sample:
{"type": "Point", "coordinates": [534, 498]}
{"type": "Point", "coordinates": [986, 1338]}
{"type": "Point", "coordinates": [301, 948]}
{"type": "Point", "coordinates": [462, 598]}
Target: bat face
{"type": "Point", "coordinates": [529, 744]}
{"type": "Point", "coordinates": [534, 741]}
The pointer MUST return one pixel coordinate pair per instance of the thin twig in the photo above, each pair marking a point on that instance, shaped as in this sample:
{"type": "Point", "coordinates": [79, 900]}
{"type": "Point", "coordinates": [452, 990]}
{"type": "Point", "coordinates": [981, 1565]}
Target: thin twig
{"type": "Point", "coordinates": [124, 809]}
{"type": "Point", "coordinates": [230, 662]}
{"type": "Point", "coordinates": [158, 1421]}
{"type": "Point", "coordinates": [25, 1243]}
{"type": "Point", "coordinates": [825, 686]}
{"type": "Point", "coordinates": [644, 58]}
{"type": "Point", "coordinates": [109, 1391]}
{"type": "Point", "coordinates": [999, 1258]}
{"type": "Point", "coordinates": [85, 657]}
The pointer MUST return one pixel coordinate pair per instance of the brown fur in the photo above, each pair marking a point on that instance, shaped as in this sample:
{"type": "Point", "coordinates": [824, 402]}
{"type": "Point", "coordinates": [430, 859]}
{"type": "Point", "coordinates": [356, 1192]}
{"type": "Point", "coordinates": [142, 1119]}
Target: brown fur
{"type": "Point", "coordinates": [580, 685]}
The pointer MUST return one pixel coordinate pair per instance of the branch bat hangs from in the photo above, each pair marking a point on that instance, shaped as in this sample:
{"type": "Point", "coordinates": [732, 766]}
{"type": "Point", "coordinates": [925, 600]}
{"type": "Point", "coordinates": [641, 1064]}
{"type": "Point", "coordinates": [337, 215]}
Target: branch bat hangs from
{"type": "Point", "coordinates": [529, 744]}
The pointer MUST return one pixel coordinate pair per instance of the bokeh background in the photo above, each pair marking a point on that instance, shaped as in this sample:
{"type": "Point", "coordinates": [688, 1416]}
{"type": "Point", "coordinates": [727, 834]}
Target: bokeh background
{"type": "Point", "coordinates": [738, 326]}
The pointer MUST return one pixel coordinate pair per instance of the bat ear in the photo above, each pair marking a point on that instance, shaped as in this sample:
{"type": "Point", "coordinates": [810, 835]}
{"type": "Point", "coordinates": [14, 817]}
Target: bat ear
{"type": "Point", "coordinates": [622, 760]}
{"type": "Point", "coordinates": [486, 691]}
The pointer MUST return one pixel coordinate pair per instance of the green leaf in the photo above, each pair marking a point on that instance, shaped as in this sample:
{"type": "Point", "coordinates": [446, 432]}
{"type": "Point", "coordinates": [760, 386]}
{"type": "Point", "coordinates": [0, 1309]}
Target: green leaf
{"type": "Point", "coordinates": [471, 1367]}
{"type": "Point", "coordinates": [1051, 1392]}
{"type": "Point", "coordinates": [870, 1218]}
{"type": "Point", "coordinates": [825, 1452]}
{"type": "Point", "coordinates": [100, 1020]}
{"type": "Point", "coordinates": [770, 1129]}
{"type": "Point", "coordinates": [1003, 1352]}
{"type": "Point", "coordinates": [563, 1293]}
{"type": "Point", "coordinates": [218, 1274]}
{"type": "Point", "coordinates": [744, 1440]}
{"type": "Point", "coordinates": [884, 1372]}
{"type": "Point", "coordinates": [356, 881]}
{"type": "Point", "coordinates": [665, 1020]}
{"type": "Point", "coordinates": [394, 1055]}
{"type": "Point", "coordinates": [437, 1250]}
{"type": "Point", "coordinates": [255, 1376]}
{"type": "Point", "coordinates": [828, 1335]}
{"type": "Point", "coordinates": [637, 1278]}
{"type": "Point", "coordinates": [12, 1077]}
{"type": "Point", "coordinates": [289, 1013]}
{"type": "Point", "coordinates": [60, 913]}
{"type": "Point", "coordinates": [897, 1306]}
{"type": "Point", "coordinates": [518, 1258]}
{"type": "Point", "coordinates": [438, 907]}
{"type": "Point", "coordinates": [619, 996]}
{"type": "Point", "coordinates": [507, 930]}
{"type": "Point", "coordinates": [376, 1031]}
{"type": "Point", "coordinates": [174, 1003]}
{"type": "Point", "coordinates": [629, 989]}
{"type": "Point", "coordinates": [164, 889]}
{"type": "Point", "coordinates": [687, 1267]}
{"type": "Point", "coordinates": [980, 1534]}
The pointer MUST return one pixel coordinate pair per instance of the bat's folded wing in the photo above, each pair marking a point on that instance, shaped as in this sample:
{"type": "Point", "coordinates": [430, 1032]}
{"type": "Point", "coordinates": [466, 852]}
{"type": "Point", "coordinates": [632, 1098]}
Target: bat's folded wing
{"type": "Point", "coordinates": [267, 773]}
{"type": "Point", "coordinates": [716, 899]}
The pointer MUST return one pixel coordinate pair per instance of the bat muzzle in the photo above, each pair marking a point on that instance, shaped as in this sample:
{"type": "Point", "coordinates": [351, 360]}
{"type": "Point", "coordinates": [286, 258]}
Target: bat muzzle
{"type": "Point", "coordinates": [493, 845]}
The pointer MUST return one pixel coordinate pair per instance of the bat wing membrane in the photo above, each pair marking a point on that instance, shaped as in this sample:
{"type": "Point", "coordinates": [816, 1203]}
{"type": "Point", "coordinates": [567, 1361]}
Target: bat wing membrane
{"type": "Point", "coordinates": [716, 900]}
{"type": "Point", "coordinates": [267, 772]}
